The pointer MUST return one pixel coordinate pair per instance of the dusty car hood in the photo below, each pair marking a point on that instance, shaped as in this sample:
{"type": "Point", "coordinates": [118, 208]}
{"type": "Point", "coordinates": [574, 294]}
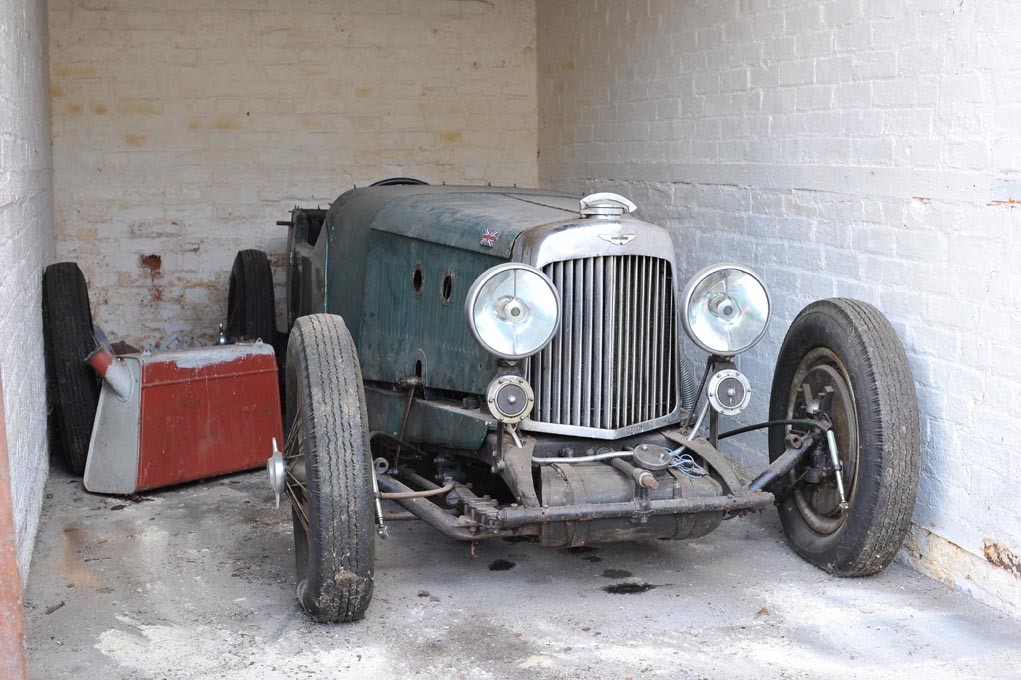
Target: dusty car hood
{"type": "Point", "coordinates": [459, 216]}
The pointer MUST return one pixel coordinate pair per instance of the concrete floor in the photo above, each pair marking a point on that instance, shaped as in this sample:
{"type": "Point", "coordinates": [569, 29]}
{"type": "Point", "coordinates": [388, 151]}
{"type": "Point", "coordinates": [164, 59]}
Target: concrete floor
{"type": "Point", "coordinates": [197, 583]}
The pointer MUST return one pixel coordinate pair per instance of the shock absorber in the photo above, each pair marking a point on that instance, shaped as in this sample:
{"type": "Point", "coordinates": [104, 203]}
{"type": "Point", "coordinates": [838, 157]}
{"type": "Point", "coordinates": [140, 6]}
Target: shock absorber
{"type": "Point", "coordinates": [838, 469]}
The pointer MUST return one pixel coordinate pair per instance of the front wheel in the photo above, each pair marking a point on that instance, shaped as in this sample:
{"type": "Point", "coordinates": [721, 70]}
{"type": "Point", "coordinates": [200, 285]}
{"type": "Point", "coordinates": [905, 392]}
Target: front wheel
{"type": "Point", "coordinates": [842, 358]}
{"type": "Point", "coordinates": [328, 465]}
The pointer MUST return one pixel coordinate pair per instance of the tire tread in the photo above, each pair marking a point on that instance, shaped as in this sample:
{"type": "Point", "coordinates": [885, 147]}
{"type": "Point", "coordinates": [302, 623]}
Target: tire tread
{"type": "Point", "coordinates": [251, 311]}
{"type": "Point", "coordinates": [897, 412]}
{"type": "Point", "coordinates": [886, 517]}
{"type": "Point", "coordinates": [68, 338]}
{"type": "Point", "coordinates": [336, 447]}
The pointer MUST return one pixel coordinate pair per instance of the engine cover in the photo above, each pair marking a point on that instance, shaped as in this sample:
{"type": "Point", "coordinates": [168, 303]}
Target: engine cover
{"type": "Point", "coordinates": [599, 483]}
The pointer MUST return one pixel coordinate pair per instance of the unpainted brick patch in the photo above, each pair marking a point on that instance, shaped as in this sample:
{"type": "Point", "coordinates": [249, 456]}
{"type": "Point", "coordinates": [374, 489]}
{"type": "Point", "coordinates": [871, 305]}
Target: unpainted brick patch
{"type": "Point", "coordinates": [1001, 556]}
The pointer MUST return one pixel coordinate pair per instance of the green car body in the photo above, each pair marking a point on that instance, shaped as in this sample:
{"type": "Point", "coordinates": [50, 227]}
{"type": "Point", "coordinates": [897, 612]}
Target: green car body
{"type": "Point", "coordinates": [396, 263]}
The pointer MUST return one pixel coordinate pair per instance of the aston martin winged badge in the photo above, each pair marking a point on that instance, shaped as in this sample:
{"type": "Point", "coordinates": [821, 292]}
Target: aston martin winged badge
{"type": "Point", "coordinates": [618, 239]}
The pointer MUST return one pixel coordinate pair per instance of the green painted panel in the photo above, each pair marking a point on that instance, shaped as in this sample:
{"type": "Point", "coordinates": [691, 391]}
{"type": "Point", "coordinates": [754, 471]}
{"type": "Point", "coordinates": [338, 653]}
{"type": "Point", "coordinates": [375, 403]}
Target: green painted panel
{"type": "Point", "coordinates": [401, 326]}
{"type": "Point", "coordinates": [430, 422]}
{"type": "Point", "coordinates": [458, 219]}
{"type": "Point", "coordinates": [448, 215]}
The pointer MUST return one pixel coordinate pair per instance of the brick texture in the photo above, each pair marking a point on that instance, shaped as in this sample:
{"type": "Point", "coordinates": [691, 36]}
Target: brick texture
{"type": "Point", "coordinates": [186, 129]}
{"type": "Point", "coordinates": [26, 246]}
{"type": "Point", "coordinates": [862, 148]}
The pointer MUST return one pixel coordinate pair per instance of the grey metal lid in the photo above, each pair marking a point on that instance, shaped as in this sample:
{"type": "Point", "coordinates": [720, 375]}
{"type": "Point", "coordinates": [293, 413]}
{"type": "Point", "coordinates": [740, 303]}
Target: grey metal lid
{"type": "Point", "coordinates": [605, 204]}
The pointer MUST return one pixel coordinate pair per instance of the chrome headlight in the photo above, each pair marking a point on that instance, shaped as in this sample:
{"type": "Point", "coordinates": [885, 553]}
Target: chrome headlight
{"type": "Point", "coordinates": [513, 310]}
{"type": "Point", "coordinates": [726, 309]}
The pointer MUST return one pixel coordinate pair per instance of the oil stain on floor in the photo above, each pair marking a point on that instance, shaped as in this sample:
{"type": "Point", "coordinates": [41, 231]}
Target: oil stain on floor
{"type": "Point", "coordinates": [629, 588]}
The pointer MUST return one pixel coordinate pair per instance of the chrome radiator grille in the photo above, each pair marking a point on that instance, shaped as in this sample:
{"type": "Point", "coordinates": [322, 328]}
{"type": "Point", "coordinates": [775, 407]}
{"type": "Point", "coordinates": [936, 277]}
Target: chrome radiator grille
{"type": "Point", "coordinates": [613, 363]}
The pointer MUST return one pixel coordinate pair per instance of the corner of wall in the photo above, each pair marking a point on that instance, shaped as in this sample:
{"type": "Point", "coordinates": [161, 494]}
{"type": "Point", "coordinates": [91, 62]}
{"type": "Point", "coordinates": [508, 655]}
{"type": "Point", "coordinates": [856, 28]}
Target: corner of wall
{"type": "Point", "coordinates": [26, 247]}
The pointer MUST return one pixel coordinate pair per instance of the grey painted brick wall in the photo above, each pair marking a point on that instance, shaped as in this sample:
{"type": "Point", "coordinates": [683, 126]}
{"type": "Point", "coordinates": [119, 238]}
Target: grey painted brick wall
{"type": "Point", "coordinates": [186, 129]}
{"type": "Point", "coordinates": [863, 148]}
{"type": "Point", "coordinates": [26, 246]}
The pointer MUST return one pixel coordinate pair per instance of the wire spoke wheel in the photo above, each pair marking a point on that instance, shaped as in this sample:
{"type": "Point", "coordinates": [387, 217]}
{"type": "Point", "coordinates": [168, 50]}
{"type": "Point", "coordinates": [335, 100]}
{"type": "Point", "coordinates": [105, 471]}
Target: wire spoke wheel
{"type": "Point", "coordinates": [328, 467]}
{"type": "Point", "coordinates": [294, 467]}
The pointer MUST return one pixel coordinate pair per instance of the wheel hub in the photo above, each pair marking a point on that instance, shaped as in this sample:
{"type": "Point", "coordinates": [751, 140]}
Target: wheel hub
{"type": "Point", "coordinates": [277, 471]}
{"type": "Point", "coordinates": [821, 386]}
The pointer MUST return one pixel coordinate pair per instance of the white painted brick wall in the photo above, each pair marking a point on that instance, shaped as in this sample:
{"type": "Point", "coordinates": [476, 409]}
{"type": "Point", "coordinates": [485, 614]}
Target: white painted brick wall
{"type": "Point", "coordinates": [186, 129]}
{"type": "Point", "coordinates": [864, 148]}
{"type": "Point", "coordinates": [26, 246]}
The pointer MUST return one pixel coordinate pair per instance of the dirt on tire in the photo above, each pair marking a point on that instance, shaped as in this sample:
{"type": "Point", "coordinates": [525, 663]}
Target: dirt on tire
{"type": "Point", "coordinates": [335, 559]}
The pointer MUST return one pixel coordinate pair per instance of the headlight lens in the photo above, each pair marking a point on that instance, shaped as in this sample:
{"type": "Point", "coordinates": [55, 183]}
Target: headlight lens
{"type": "Point", "coordinates": [513, 310]}
{"type": "Point", "coordinates": [726, 309]}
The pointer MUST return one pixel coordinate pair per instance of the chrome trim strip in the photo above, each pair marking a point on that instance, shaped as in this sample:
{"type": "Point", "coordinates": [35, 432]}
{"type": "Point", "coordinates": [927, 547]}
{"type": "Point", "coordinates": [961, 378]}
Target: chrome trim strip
{"type": "Point", "coordinates": [581, 238]}
{"type": "Point", "coordinates": [601, 433]}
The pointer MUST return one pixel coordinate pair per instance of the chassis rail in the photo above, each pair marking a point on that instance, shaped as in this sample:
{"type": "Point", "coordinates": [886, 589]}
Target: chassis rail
{"type": "Point", "coordinates": [426, 510]}
{"type": "Point", "coordinates": [484, 519]}
{"type": "Point", "coordinates": [516, 517]}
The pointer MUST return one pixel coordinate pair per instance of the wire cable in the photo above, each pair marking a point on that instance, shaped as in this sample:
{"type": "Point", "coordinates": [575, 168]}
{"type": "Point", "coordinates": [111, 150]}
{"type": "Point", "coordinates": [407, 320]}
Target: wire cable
{"type": "Point", "coordinates": [770, 423]}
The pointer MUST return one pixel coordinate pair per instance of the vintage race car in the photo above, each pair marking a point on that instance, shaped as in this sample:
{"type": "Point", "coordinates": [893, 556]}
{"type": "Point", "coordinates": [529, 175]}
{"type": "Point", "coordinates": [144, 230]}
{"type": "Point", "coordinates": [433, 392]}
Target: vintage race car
{"type": "Point", "coordinates": [508, 362]}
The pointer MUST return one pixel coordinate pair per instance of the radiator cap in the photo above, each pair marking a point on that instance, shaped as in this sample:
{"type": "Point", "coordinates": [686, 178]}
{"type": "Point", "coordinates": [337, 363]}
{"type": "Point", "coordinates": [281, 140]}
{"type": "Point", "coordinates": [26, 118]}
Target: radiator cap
{"type": "Point", "coordinates": [605, 204]}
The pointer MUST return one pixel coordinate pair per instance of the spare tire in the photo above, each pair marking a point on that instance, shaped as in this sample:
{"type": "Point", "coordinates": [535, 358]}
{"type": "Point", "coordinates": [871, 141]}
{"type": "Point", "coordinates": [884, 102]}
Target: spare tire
{"type": "Point", "coordinates": [250, 308]}
{"type": "Point", "coordinates": [72, 386]}
{"type": "Point", "coordinates": [399, 181]}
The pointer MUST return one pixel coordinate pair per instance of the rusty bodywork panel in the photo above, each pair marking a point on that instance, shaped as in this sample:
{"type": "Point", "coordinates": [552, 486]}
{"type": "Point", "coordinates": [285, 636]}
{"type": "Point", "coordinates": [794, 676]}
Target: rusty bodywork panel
{"type": "Point", "coordinates": [187, 414]}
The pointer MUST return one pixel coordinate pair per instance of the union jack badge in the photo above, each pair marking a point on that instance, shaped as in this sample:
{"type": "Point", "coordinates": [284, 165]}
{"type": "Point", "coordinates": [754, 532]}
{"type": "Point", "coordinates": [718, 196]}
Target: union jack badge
{"type": "Point", "coordinates": [489, 237]}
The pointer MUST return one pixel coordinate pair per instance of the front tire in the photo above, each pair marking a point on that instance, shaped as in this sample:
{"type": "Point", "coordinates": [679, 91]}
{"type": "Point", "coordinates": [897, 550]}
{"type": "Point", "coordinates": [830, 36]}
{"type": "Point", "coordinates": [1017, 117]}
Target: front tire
{"type": "Point", "coordinates": [328, 470]}
{"type": "Point", "coordinates": [848, 349]}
